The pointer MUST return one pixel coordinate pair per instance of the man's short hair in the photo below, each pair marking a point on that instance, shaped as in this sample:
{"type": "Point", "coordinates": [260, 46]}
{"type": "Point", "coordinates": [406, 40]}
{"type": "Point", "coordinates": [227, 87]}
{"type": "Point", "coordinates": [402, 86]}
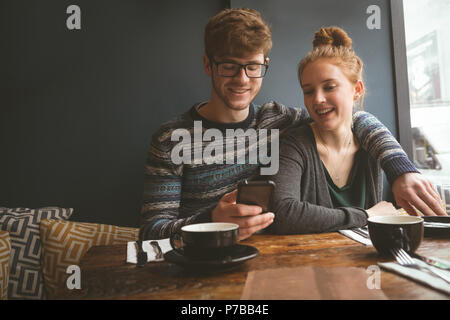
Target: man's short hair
{"type": "Point", "coordinates": [235, 32]}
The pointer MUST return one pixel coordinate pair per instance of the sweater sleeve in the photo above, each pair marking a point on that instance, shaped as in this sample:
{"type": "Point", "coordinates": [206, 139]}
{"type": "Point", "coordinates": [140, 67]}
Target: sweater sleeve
{"type": "Point", "coordinates": [296, 216]}
{"type": "Point", "coordinates": [161, 209]}
{"type": "Point", "coordinates": [378, 141]}
{"type": "Point", "coordinates": [280, 116]}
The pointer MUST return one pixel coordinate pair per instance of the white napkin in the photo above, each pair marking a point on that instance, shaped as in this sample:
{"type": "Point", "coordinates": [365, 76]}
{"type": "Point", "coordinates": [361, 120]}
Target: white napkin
{"type": "Point", "coordinates": [354, 236]}
{"type": "Point", "coordinates": [164, 244]}
{"type": "Point", "coordinates": [419, 275]}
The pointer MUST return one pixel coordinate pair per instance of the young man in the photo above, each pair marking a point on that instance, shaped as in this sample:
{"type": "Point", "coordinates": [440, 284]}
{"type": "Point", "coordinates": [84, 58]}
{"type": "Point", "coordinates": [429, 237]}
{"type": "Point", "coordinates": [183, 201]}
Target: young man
{"type": "Point", "coordinates": [196, 190]}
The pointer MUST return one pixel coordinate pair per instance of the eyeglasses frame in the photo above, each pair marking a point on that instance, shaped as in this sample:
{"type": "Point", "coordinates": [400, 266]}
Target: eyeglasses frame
{"type": "Point", "coordinates": [244, 66]}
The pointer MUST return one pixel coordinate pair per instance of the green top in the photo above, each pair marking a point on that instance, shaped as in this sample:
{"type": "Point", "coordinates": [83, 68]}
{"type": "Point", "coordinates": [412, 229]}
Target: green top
{"type": "Point", "coordinates": [353, 194]}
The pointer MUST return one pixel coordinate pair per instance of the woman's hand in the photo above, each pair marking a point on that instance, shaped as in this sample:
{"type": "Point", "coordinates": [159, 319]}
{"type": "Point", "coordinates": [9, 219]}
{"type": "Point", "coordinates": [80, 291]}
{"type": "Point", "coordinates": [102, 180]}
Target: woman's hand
{"type": "Point", "coordinates": [382, 208]}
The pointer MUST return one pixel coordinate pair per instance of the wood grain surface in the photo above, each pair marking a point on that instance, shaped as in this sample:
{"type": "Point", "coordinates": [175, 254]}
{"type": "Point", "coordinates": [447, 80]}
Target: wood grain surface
{"type": "Point", "coordinates": [106, 275]}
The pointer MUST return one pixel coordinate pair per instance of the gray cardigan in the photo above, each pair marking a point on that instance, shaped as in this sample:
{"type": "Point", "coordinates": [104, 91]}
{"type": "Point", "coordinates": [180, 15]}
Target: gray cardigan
{"type": "Point", "coordinates": [302, 202]}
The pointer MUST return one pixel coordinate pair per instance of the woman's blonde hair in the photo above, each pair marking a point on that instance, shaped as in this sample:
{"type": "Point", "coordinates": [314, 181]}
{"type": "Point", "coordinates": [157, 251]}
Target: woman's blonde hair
{"type": "Point", "coordinates": [333, 43]}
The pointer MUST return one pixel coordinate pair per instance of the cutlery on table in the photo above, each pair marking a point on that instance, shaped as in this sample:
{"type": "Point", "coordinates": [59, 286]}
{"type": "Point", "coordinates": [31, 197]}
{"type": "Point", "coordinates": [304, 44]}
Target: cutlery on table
{"type": "Point", "coordinates": [436, 224]}
{"type": "Point", "coordinates": [405, 260]}
{"type": "Point", "coordinates": [362, 232]}
{"type": "Point", "coordinates": [432, 262]}
{"type": "Point", "coordinates": [141, 254]}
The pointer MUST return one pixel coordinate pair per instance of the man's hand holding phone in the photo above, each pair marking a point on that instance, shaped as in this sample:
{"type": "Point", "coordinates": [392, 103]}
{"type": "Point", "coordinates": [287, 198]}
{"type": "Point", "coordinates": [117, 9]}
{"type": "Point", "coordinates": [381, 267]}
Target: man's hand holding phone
{"type": "Point", "coordinates": [249, 217]}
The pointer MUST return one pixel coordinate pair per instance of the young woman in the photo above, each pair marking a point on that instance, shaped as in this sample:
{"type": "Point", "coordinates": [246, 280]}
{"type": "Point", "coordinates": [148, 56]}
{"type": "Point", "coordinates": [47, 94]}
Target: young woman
{"type": "Point", "coordinates": [326, 182]}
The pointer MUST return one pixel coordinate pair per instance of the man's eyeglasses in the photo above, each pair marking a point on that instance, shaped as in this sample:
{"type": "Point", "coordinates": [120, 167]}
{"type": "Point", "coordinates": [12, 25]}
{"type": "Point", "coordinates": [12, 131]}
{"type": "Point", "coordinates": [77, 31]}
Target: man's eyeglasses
{"type": "Point", "coordinates": [231, 69]}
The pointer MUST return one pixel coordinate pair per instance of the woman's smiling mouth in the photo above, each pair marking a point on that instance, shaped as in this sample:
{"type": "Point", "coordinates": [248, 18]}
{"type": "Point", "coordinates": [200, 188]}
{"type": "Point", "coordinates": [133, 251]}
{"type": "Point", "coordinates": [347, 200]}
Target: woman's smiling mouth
{"type": "Point", "coordinates": [324, 111]}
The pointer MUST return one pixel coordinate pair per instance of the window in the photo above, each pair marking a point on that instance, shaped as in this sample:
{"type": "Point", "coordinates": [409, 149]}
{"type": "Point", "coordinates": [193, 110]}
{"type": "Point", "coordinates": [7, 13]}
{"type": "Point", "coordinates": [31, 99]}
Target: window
{"type": "Point", "coordinates": [427, 32]}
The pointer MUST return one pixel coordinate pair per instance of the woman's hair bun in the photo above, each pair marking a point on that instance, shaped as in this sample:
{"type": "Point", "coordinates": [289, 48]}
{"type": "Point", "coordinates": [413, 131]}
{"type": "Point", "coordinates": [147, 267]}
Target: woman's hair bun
{"type": "Point", "coordinates": [332, 36]}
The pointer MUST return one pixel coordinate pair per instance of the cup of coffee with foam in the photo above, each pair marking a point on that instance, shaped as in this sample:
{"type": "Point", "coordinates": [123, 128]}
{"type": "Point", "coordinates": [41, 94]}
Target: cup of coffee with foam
{"type": "Point", "coordinates": [205, 241]}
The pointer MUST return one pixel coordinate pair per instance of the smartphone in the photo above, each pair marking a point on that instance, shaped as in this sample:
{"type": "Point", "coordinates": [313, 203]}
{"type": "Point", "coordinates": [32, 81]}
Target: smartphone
{"type": "Point", "coordinates": [259, 193]}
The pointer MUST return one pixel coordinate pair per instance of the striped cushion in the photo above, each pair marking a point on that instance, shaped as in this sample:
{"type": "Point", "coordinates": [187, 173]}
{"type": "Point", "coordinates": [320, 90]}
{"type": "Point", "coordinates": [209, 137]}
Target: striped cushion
{"type": "Point", "coordinates": [5, 251]}
{"type": "Point", "coordinates": [25, 280]}
{"type": "Point", "coordinates": [64, 243]}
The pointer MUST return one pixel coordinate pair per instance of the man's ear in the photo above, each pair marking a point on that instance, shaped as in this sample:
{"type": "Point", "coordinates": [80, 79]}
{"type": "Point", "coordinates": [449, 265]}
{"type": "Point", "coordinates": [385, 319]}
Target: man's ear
{"type": "Point", "coordinates": [267, 60]}
{"type": "Point", "coordinates": [207, 65]}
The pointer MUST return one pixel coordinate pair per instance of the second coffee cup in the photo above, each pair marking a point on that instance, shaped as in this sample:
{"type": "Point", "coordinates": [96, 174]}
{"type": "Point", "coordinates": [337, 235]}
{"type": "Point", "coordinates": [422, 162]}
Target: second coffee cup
{"type": "Point", "coordinates": [211, 240]}
{"type": "Point", "coordinates": [395, 232]}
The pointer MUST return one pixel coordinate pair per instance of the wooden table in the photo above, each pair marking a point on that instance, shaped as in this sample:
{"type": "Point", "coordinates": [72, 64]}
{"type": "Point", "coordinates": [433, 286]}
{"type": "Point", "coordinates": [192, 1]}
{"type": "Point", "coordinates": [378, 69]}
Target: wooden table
{"type": "Point", "coordinates": [106, 275]}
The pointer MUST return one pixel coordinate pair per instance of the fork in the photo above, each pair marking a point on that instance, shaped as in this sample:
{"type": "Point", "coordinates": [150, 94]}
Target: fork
{"type": "Point", "coordinates": [405, 260]}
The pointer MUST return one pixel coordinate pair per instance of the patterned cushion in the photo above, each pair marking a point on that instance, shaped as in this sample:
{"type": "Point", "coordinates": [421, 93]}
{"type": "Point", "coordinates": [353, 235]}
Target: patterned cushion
{"type": "Point", "coordinates": [5, 251]}
{"type": "Point", "coordinates": [444, 191]}
{"type": "Point", "coordinates": [64, 243]}
{"type": "Point", "coordinates": [25, 280]}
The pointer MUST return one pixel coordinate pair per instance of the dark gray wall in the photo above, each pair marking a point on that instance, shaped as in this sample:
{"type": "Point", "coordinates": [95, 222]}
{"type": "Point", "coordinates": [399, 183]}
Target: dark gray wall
{"type": "Point", "coordinates": [78, 107]}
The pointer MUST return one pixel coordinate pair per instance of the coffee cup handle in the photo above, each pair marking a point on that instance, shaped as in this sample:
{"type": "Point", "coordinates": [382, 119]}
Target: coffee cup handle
{"type": "Point", "coordinates": [173, 237]}
{"type": "Point", "coordinates": [401, 239]}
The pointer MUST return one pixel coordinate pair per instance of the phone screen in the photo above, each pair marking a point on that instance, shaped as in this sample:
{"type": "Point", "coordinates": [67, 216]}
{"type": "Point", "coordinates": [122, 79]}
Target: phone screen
{"type": "Point", "coordinates": [260, 195]}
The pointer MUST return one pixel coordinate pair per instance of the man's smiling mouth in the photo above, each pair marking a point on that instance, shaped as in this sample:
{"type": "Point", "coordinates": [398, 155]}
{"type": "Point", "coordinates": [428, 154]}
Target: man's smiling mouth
{"type": "Point", "coordinates": [239, 91]}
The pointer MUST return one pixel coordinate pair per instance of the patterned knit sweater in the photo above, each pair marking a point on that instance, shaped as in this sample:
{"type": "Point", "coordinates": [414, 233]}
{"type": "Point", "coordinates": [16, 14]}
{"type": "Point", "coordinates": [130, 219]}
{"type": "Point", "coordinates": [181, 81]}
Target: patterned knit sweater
{"type": "Point", "coordinates": [186, 193]}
